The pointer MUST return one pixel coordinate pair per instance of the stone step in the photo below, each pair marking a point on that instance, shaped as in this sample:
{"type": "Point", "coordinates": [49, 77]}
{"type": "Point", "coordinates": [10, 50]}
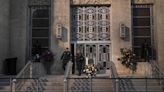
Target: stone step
{"type": "Point", "coordinates": [141, 91]}
{"type": "Point", "coordinates": [97, 85]}
{"type": "Point", "coordinates": [140, 85]}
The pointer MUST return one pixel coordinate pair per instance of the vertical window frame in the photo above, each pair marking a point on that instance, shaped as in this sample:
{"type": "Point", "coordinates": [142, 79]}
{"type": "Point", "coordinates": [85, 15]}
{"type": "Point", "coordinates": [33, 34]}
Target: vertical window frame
{"type": "Point", "coordinates": [150, 6]}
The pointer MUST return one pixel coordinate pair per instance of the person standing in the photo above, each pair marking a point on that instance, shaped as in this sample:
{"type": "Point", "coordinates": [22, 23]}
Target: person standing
{"type": "Point", "coordinates": [145, 51]}
{"type": "Point", "coordinates": [66, 56]}
{"type": "Point", "coordinates": [36, 51]}
{"type": "Point", "coordinates": [80, 62]}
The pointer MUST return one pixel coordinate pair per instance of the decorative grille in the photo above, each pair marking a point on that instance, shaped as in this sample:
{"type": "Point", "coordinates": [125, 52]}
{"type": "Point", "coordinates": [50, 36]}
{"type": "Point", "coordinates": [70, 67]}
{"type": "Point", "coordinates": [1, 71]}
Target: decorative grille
{"type": "Point", "coordinates": [91, 23]}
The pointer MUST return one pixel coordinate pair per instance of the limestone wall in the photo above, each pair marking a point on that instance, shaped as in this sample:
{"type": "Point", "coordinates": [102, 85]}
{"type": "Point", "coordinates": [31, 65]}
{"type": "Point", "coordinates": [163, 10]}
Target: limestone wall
{"type": "Point", "coordinates": [4, 32]}
{"type": "Point", "coordinates": [159, 31]}
{"type": "Point", "coordinates": [120, 13]}
{"type": "Point", "coordinates": [60, 15]}
{"type": "Point", "coordinates": [18, 30]}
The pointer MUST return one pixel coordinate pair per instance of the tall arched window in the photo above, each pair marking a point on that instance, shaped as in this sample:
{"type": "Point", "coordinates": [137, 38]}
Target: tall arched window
{"type": "Point", "coordinates": [143, 30]}
{"type": "Point", "coordinates": [39, 27]}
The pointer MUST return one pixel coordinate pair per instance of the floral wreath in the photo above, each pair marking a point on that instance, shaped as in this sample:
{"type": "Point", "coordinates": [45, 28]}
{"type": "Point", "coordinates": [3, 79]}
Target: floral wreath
{"type": "Point", "coordinates": [90, 70]}
{"type": "Point", "coordinates": [128, 59]}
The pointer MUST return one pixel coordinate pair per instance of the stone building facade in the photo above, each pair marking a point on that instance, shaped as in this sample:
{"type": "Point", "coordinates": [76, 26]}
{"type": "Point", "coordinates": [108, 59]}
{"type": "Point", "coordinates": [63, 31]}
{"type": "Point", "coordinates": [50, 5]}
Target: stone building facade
{"type": "Point", "coordinates": [91, 26]}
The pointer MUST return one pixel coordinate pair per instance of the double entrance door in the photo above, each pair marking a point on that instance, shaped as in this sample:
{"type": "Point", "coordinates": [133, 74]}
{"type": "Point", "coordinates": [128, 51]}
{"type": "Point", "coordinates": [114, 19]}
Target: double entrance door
{"type": "Point", "coordinates": [98, 52]}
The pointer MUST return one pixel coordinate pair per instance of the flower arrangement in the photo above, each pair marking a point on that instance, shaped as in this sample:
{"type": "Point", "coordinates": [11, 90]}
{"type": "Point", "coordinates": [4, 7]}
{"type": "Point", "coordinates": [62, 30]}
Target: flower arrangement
{"type": "Point", "coordinates": [47, 56]}
{"type": "Point", "coordinates": [90, 70]}
{"type": "Point", "coordinates": [128, 59]}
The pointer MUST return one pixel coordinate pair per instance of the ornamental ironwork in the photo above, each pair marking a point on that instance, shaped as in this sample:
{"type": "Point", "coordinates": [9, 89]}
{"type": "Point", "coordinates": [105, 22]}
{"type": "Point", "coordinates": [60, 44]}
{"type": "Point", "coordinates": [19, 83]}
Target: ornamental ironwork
{"type": "Point", "coordinates": [91, 23]}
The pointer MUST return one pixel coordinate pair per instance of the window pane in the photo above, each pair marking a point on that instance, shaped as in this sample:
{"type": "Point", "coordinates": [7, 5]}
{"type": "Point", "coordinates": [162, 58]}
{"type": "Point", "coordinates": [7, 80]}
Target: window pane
{"type": "Point", "coordinates": [41, 13]}
{"type": "Point", "coordinates": [42, 42]}
{"type": "Point", "coordinates": [140, 41]}
{"type": "Point", "coordinates": [141, 32]}
{"type": "Point", "coordinates": [141, 21]}
{"type": "Point", "coordinates": [137, 52]}
{"type": "Point", "coordinates": [40, 22]}
{"type": "Point", "coordinates": [141, 28]}
{"type": "Point", "coordinates": [141, 12]}
{"type": "Point", "coordinates": [40, 33]}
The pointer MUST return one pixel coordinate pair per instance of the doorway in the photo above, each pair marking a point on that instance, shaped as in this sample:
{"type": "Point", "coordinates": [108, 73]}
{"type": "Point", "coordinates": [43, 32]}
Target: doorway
{"type": "Point", "coordinates": [98, 52]}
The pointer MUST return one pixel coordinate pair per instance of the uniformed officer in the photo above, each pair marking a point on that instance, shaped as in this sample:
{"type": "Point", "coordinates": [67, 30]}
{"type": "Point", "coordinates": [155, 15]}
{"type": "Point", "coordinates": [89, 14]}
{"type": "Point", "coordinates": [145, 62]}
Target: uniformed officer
{"type": "Point", "coordinates": [66, 56]}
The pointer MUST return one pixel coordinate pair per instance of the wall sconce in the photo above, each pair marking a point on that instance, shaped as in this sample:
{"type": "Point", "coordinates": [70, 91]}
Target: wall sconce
{"type": "Point", "coordinates": [59, 31]}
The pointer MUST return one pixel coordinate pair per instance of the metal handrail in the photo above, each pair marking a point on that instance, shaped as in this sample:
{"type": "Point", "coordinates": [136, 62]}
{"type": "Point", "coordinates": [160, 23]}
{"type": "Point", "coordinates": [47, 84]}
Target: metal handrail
{"type": "Point", "coordinates": [26, 72]}
{"type": "Point", "coordinates": [21, 77]}
{"type": "Point", "coordinates": [26, 69]}
{"type": "Point", "coordinates": [114, 74]}
{"type": "Point", "coordinates": [113, 69]}
{"type": "Point", "coordinates": [157, 73]}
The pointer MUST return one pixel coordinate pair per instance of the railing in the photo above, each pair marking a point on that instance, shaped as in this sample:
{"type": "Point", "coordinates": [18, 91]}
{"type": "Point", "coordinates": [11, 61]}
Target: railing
{"type": "Point", "coordinates": [26, 72]}
{"type": "Point", "coordinates": [113, 83]}
{"type": "Point", "coordinates": [26, 85]}
{"type": "Point", "coordinates": [157, 73]}
{"type": "Point", "coordinates": [20, 80]}
{"type": "Point", "coordinates": [114, 74]}
{"type": "Point", "coordinates": [89, 84]}
{"type": "Point", "coordinates": [5, 84]}
{"type": "Point", "coordinates": [140, 85]}
{"type": "Point", "coordinates": [154, 83]}
{"type": "Point", "coordinates": [92, 84]}
{"type": "Point", "coordinates": [97, 84]}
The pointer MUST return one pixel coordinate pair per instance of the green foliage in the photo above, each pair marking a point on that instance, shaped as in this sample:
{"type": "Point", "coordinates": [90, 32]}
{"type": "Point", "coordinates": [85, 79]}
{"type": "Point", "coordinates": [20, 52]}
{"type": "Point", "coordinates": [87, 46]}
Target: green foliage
{"type": "Point", "coordinates": [128, 59]}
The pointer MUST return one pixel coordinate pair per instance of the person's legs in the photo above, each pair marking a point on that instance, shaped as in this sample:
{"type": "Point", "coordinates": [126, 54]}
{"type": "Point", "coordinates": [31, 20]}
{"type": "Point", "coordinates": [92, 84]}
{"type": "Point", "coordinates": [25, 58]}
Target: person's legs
{"type": "Point", "coordinates": [79, 69]}
{"type": "Point", "coordinates": [79, 72]}
{"type": "Point", "coordinates": [64, 65]}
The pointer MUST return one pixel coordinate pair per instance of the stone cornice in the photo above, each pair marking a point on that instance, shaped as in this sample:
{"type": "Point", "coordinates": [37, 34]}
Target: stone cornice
{"type": "Point", "coordinates": [77, 2]}
{"type": "Point", "coordinates": [142, 1]}
{"type": "Point", "coordinates": [39, 2]}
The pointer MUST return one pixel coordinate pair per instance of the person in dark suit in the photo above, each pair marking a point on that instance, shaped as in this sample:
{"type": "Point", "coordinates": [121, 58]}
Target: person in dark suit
{"type": "Point", "coordinates": [66, 56]}
{"type": "Point", "coordinates": [80, 62]}
{"type": "Point", "coordinates": [36, 51]}
{"type": "Point", "coordinates": [145, 51]}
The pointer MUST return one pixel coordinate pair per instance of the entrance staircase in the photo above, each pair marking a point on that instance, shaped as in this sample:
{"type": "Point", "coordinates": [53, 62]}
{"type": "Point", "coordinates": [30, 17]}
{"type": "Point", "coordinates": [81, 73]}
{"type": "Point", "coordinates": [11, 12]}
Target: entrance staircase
{"type": "Point", "coordinates": [68, 83]}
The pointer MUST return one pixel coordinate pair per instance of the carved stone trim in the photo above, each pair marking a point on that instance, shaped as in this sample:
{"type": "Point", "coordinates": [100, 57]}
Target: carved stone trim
{"type": "Point", "coordinates": [39, 2]}
{"type": "Point", "coordinates": [143, 1]}
{"type": "Point", "coordinates": [90, 2]}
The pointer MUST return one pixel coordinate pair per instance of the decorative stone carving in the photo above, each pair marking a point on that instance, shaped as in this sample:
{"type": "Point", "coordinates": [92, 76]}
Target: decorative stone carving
{"type": "Point", "coordinates": [39, 2]}
{"type": "Point", "coordinates": [91, 1]}
{"type": "Point", "coordinates": [143, 1]}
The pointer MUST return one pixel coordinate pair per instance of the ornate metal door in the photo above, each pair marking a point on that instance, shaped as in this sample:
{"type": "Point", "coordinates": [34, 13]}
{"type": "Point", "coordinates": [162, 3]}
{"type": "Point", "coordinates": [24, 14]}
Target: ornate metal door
{"type": "Point", "coordinates": [91, 31]}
